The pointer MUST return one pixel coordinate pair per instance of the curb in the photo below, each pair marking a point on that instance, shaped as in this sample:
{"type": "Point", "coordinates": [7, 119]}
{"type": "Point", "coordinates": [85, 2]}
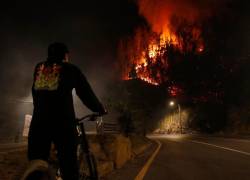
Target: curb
{"type": "Point", "coordinates": [145, 168]}
{"type": "Point", "coordinates": [141, 149]}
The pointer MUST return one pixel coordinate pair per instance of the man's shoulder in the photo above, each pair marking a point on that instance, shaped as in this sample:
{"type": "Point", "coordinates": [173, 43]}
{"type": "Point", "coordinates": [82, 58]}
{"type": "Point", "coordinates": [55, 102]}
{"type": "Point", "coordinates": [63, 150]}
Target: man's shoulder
{"type": "Point", "coordinates": [72, 69]}
{"type": "Point", "coordinates": [65, 65]}
{"type": "Point", "coordinates": [70, 66]}
{"type": "Point", "coordinates": [39, 64]}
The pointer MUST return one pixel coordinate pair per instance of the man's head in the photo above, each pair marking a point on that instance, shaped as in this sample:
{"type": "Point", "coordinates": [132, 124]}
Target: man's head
{"type": "Point", "coordinates": [58, 52]}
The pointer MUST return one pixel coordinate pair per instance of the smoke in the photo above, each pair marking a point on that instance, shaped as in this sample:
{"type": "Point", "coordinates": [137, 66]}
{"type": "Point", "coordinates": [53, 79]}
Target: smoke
{"type": "Point", "coordinates": [27, 30]}
{"type": "Point", "coordinates": [159, 13]}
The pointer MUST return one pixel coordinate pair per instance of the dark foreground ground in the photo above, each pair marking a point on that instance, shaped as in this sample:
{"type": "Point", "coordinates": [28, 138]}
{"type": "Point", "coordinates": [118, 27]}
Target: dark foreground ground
{"type": "Point", "coordinates": [183, 157]}
{"type": "Point", "coordinates": [193, 158]}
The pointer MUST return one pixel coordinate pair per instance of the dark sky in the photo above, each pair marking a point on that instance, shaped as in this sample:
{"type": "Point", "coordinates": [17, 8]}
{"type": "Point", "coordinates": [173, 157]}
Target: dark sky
{"type": "Point", "coordinates": [91, 29]}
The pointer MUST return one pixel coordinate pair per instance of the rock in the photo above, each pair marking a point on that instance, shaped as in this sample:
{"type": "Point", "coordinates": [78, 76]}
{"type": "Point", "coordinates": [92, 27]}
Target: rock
{"type": "Point", "coordinates": [123, 151]}
{"type": "Point", "coordinates": [96, 149]}
{"type": "Point", "coordinates": [139, 144]}
{"type": "Point", "coordinates": [105, 167]}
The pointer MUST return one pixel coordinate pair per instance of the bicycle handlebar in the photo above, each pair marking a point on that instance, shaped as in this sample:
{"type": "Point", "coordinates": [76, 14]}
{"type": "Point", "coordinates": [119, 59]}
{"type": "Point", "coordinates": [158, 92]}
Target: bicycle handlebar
{"type": "Point", "coordinates": [89, 117]}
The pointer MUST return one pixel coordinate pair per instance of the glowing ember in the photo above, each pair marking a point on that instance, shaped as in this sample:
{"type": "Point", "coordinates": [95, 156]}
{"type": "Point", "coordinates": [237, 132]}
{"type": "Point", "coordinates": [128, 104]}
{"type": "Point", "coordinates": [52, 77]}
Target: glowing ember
{"type": "Point", "coordinates": [174, 91]}
{"type": "Point", "coordinates": [149, 81]}
{"type": "Point", "coordinates": [200, 49]}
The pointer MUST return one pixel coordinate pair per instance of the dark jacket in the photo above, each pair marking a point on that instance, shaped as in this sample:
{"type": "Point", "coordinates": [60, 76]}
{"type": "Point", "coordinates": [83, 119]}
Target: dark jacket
{"type": "Point", "coordinates": [52, 93]}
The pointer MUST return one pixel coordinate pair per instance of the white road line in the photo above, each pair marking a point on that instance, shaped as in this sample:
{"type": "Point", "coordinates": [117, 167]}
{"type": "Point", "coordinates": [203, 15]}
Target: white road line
{"type": "Point", "coordinates": [221, 147]}
{"type": "Point", "coordinates": [226, 139]}
{"type": "Point", "coordinates": [145, 168]}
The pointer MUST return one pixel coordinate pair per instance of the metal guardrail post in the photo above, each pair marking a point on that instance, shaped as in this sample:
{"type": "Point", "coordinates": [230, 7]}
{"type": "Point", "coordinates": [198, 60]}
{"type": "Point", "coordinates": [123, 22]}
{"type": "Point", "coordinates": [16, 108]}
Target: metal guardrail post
{"type": "Point", "coordinates": [99, 126]}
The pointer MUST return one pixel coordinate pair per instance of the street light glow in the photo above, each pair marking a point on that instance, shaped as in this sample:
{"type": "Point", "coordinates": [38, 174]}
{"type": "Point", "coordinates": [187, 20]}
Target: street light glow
{"type": "Point", "coordinates": [171, 103]}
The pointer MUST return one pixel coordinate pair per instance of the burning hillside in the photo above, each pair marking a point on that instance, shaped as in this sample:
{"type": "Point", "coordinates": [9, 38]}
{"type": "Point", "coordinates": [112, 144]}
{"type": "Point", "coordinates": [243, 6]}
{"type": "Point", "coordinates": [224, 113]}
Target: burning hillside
{"type": "Point", "coordinates": [174, 29]}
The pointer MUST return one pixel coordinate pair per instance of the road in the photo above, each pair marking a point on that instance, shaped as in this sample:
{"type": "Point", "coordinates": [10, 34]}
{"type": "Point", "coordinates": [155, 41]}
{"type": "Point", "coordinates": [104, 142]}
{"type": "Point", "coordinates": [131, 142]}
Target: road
{"type": "Point", "coordinates": [13, 160]}
{"type": "Point", "coordinates": [194, 158]}
{"type": "Point", "coordinates": [181, 157]}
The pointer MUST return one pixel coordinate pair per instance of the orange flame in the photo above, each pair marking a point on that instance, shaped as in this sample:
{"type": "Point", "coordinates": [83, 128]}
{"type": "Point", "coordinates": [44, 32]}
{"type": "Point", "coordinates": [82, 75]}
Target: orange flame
{"type": "Point", "coordinates": [173, 28]}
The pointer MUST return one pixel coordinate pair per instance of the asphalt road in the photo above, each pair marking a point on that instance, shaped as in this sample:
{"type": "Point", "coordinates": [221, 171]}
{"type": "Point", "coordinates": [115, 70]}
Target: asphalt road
{"type": "Point", "coordinates": [192, 158]}
{"type": "Point", "coordinates": [200, 158]}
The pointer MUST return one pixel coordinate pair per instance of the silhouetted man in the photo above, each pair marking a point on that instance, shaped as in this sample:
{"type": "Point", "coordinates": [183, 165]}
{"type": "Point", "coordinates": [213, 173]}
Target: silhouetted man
{"type": "Point", "coordinates": [53, 116]}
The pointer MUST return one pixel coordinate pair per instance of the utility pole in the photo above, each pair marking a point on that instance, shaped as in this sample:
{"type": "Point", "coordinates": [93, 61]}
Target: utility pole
{"type": "Point", "coordinates": [179, 111]}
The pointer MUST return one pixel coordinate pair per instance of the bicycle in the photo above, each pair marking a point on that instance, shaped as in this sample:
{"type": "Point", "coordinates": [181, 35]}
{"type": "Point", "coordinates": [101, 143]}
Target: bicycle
{"type": "Point", "coordinates": [86, 160]}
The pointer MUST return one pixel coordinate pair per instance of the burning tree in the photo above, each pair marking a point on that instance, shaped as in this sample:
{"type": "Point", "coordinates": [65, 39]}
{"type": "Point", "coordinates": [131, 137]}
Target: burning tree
{"type": "Point", "coordinates": [174, 50]}
{"type": "Point", "coordinates": [149, 56]}
{"type": "Point", "coordinates": [168, 39]}
{"type": "Point", "coordinates": [170, 48]}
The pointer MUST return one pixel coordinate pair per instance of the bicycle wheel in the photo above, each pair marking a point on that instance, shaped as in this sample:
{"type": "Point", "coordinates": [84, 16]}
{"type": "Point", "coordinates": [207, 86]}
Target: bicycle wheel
{"type": "Point", "coordinates": [38, 170]}
{"type": "Point", "coordinates": [87, 165]}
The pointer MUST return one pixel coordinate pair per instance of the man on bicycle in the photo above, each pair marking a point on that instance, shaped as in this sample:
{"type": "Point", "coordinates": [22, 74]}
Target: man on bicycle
{"type": "Point", "coordinates": [53, 116]}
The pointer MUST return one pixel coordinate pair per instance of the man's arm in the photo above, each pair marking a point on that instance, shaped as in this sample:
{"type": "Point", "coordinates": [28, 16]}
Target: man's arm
{"type": "Point", "coordinates": [86, 94]}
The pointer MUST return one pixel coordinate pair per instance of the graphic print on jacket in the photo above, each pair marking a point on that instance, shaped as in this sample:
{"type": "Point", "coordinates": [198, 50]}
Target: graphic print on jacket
{"type": "Point", "coordinates": [47, 77]}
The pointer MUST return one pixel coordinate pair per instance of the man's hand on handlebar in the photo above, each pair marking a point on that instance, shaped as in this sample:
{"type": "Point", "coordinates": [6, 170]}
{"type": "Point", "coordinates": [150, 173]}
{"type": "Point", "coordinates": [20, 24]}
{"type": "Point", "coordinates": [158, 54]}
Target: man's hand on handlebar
{"type": "Point", "coordinates": [104, 112]}
{"type": "Point", "coordinates": [94, 117]}
{"type": "Point", "coordinates": [91, 117]}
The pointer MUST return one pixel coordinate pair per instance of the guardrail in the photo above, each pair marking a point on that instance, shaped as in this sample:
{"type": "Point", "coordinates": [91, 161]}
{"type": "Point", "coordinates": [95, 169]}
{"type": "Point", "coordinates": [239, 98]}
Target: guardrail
{"type": "Point", "coordinates": [107, 127]}
{"type": "Point", "coordinates": [111, 127]}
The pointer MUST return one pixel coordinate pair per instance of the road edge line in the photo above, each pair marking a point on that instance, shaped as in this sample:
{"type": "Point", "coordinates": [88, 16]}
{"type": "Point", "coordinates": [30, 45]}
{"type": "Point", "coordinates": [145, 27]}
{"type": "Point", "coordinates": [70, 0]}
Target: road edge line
{"type": "Point", "coordinates": [145, 168]}
{"type": "Point", "coordinates": [221, 147]}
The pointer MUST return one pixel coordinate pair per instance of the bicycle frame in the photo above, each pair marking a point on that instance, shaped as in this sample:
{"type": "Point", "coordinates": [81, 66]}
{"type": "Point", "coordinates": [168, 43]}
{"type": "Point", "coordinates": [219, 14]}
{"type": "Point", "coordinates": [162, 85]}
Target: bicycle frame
{"type": "Point", "coordinates": [43, 166]}
{"type": "Point", "coordinates": [85, 145]}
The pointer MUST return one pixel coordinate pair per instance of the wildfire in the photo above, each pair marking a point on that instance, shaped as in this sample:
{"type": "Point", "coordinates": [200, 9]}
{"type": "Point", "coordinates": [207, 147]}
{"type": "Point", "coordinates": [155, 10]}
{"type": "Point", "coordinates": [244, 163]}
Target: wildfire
{"type": "Point", "coordinates": [174, 91]}
{"type": "Point", "coordinates": [148, 54]}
